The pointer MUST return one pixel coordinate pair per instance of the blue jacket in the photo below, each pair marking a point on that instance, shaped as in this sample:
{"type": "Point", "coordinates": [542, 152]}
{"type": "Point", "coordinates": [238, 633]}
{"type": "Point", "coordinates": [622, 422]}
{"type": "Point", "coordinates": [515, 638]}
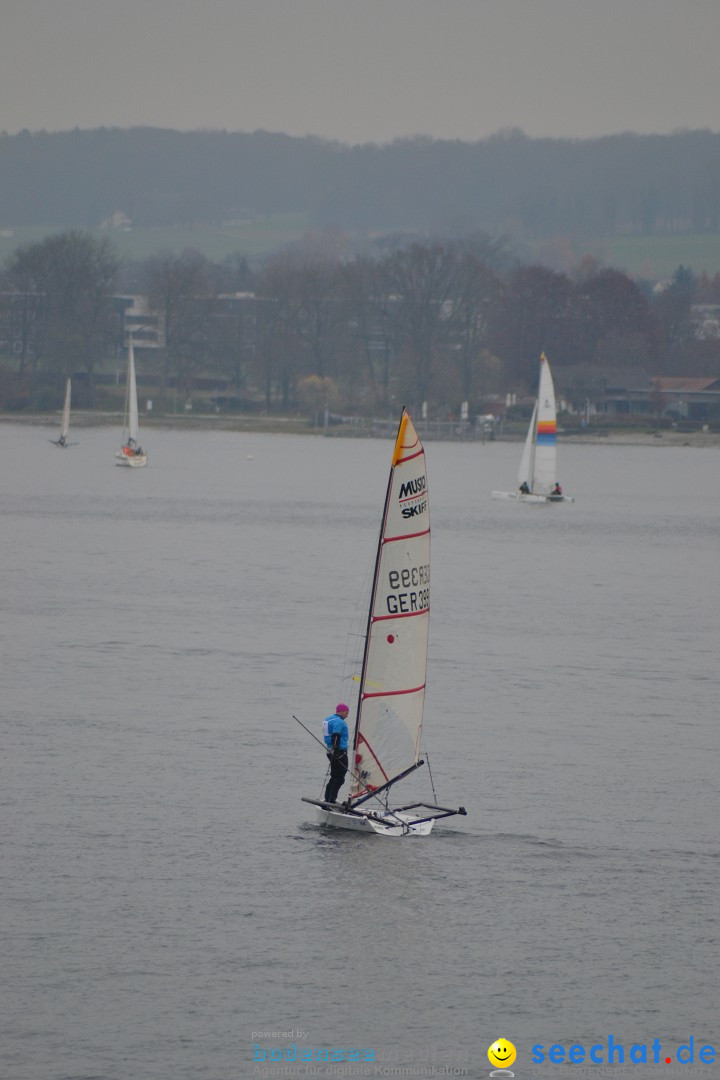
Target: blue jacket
{"type": "Point", "coordinates": [335, 725]}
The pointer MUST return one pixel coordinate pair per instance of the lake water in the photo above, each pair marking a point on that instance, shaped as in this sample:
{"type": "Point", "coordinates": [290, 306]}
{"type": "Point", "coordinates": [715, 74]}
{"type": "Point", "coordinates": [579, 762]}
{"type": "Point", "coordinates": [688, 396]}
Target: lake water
{"type": "Point", "coordinates": [166, 895]}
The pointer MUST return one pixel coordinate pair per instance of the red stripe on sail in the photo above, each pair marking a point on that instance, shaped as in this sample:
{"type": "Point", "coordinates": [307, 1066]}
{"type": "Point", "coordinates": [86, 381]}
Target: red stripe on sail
{"type": "Point", "coordinates": [361, 738]}
{"type": "Point", "coordinates": [405, 536]}
{"type": "Point", "coordinates": [402, 615]}
{"type": "Point", "coordinates": [394, 693]}
{"type": "Point", "coordinates": [364, 791]}
{"type": "Point", "coordinates": [402, 460]}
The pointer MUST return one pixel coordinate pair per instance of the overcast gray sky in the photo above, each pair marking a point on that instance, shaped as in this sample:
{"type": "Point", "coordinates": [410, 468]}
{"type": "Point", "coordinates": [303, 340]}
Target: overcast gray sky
{"type": "Point", "coordinates": [362, 70]}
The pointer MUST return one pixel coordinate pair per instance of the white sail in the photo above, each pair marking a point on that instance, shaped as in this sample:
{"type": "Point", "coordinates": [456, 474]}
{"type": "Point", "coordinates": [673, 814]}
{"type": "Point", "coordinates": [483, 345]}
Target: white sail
{"type": "Point", "coordinates": [386, 742]}
{"type": "Point", "coordinates": [392, 685]}
{"type": "Point", "coordinates": [131, 453]}
{"type": "Point", "coordinates": [544, 464]}
{"type": "Point", "coordinates": [132, 395]}
{"type": "Point", "coordinates": [64, 431]}
{"type": "Point", "coordinates": [525, 472]}
{"type": "Point", "coordinates": [537, 475]}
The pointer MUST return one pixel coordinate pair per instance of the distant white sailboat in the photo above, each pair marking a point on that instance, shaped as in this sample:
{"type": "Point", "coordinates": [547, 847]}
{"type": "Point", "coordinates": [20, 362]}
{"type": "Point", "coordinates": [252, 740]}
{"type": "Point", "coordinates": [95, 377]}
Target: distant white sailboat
{"type": "Point", "coordinates": [537, 475]}
{"type": "Point", "coordinates": [131, 453]}
{"type": "Point", "coordinates": [62, 441]}
{"type": "Point", "coordinates": [388, 727]}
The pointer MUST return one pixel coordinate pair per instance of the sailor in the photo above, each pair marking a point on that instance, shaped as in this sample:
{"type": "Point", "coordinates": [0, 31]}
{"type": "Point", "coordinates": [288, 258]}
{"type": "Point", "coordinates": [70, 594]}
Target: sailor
{"type": "Point", "coordinates": [61, 440]}
{"type": "Point", "coordinates": [524, 489]}
{"type": "Point", "coordinates": [557, 490]}
{"type": "Point", "coordinates": [335, 735]}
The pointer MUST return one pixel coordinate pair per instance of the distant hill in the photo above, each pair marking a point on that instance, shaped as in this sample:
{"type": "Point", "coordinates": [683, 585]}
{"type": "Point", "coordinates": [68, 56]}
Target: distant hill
{"type": "Point", "coordinates": [532, 190]}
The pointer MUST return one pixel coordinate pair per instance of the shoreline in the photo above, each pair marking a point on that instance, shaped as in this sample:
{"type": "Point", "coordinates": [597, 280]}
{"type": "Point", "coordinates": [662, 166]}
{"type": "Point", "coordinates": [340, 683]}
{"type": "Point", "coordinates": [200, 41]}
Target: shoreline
{"type": "Point", "coordinates": [709, 439]}
{"type": "Point", "coordinates": [301, 426]}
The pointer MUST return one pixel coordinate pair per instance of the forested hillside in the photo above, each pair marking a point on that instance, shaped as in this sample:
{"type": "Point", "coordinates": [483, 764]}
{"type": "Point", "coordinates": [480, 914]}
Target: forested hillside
{"type": "Point", "coordinates": [507, 183]}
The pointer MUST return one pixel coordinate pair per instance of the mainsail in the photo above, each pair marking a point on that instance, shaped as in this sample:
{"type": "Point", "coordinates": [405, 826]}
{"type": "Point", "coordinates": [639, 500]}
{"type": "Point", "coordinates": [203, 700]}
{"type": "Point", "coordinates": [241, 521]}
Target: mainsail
{"type": "Point", "coordinates": [392, 684]}
{"type": "Point", "coordinates": [538, 464]}
{"type": "Point", "coordinates": [527, 462]}
{"type": "Point", "coordinates": [64, 431]}
{"type": "Point", "coordinates": [132, 405]}
{"type": "Point", "coordinates": [544, 466]}
{"type": "Point", "coordinates": [131, 455]}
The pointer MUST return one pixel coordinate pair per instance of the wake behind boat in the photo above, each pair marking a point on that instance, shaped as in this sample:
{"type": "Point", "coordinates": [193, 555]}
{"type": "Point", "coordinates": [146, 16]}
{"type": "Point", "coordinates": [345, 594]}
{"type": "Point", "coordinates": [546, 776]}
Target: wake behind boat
{"type": "Point", "coordinates": [131, 452]}
{"type": "Point", "coordinates": [537, 475]}
{"type": "Point", "coordinates": [388, 726]}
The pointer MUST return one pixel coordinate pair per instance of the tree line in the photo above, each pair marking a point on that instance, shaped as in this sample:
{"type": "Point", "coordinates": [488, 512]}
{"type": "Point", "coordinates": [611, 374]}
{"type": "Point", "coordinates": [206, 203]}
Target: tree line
{"type": "Point", "coordinates": [508, 182]}
{"type": "Point", "coordinates": [438, 322]}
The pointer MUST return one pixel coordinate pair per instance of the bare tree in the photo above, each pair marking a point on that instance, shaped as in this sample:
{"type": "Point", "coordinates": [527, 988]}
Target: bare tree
{"type": "Point", "coordinates": [232, 336]}
{"type": "Point", "coordinates": [67, 281]}
{"type": "Point", "coordinates": [179, 290]}
{"type": "Point", "coordinates": [477, 296]}
{"type": "Point", "coordinates": [421, 282]}
{"type": "Point", "coordinates": [536, 315]}
{"type": "Point", "coordinates": [277, 349]}
{"type": "Point", "coordinates": [365, 304]}
{"type": "Point", "coordinates": [316, 311]}
{"type": "Point", "coordinates": [673, 307]}
{"type": "Point", "coordinates": [610, 305]}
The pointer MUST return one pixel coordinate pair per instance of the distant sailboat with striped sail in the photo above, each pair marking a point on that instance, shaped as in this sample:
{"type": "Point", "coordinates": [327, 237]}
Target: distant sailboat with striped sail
{"type": "Point", "coordinates": [388, 726]}
{"type": "Point", "coordinates": [537, 475]}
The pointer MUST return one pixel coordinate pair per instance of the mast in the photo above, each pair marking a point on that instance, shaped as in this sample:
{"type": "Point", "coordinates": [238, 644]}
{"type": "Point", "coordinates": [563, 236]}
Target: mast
{"type": "Point", "coordinates": [132, 394]}
{"type": "Point", "coordinates": [363, 671]}
{"type": "Point", "coordinates": [533, 444]}
{"type": "Point", "coordinates": [525, 470]}
{"type": "Point", "coordinates": [66, 412]}
{"type": "Point", "coordinates": [126, 417]}
{"type": "Point", "coordinates": [386, 740]}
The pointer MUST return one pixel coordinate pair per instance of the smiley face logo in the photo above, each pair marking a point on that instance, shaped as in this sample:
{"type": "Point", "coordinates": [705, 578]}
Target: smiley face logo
{"type": "Point", "coordinates": [502, 1053]}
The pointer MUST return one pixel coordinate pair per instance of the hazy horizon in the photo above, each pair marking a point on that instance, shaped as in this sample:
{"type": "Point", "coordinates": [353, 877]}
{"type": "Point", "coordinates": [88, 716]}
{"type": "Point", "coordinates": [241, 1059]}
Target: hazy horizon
{"type": "Point", "coordinates": [362, 71]}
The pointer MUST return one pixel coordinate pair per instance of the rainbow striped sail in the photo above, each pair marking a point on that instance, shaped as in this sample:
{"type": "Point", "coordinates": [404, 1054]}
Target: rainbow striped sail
{"type": "Point", "coordinates": [538, 467]}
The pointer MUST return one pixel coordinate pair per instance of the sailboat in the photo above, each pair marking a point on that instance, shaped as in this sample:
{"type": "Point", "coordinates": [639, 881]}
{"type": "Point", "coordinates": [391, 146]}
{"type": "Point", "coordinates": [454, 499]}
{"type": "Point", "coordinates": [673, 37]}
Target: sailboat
{"type": "Point", "coordinates": [388, 725]}
{"type": "Point", "coordinates": [62, 441]}
{"type": "Point", "coordinates": [537, 475]}
{"type": "Point", "coordinates": [131, 452]}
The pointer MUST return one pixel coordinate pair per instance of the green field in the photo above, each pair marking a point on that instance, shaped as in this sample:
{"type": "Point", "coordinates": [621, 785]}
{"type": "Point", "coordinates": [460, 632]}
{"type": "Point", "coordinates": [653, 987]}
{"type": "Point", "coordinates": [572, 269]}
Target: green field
{"type": "Point", "coordinates": [251, 238]}
{"type": "Point", "coordinates": [654, 258]}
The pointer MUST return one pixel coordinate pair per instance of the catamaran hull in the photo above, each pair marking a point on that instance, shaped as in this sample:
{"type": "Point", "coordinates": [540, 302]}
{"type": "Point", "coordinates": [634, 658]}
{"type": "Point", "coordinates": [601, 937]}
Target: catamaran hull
{"type": "Point", "coordinates": [398, 821]}
{"type": "Point", "coordinates": [131, 461]}
{"type": "Point", "coordinates": [518, 496]}
{"type": "Point", "coordinates": [375, 823]}
{"type": "Point", "coordinates": [521, 497]}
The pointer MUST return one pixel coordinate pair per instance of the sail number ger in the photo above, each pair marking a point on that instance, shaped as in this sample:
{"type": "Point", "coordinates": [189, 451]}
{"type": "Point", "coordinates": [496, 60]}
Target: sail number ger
{"type": "Point", "coordinates": [409, 590]}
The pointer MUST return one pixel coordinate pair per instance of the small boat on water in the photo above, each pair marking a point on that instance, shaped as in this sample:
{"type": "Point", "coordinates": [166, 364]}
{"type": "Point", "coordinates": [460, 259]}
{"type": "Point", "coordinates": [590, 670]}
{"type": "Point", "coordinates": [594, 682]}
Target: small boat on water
{"type": "Point", "coordinates": [537, 475]}
{"type": "Point", "coordinates": [62, 440]}
{"type": "Point", "coordinates": [131, 453]}
{"type": "Point", "coordinates": [389, 721]}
